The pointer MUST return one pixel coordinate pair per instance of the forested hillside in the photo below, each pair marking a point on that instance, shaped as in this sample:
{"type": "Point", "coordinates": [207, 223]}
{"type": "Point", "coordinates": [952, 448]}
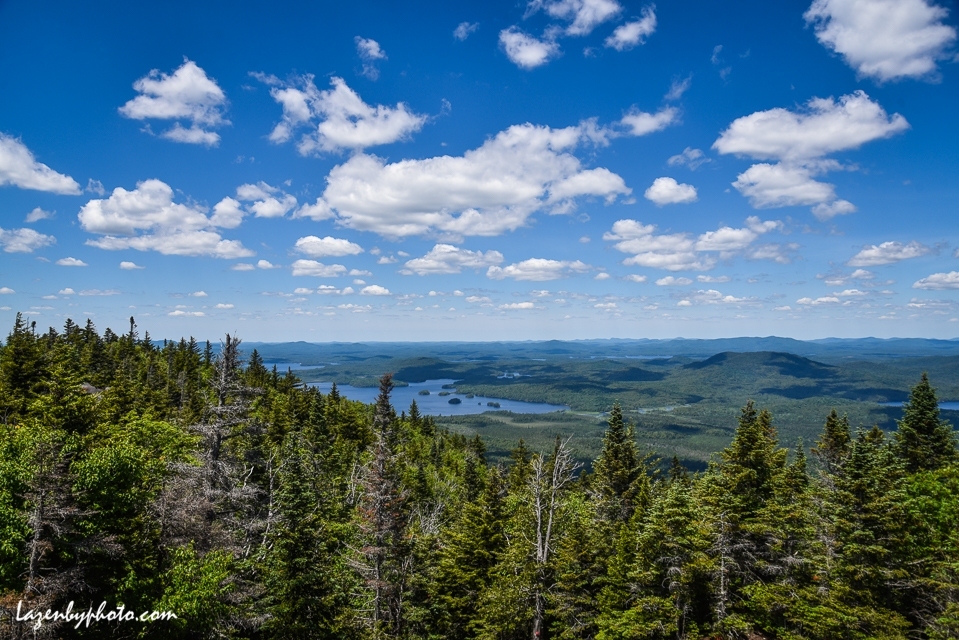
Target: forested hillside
{"type": "Point", "coordinates": [190, 478]}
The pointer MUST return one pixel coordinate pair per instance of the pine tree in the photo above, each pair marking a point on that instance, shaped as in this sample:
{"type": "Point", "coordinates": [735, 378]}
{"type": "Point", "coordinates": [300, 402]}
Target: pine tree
{"type": "Point", "coordinates": [833, 445]}
{"type": "Point", "coordinates": [384, 549]}
{"type": "Point", "coordinates": [924, 441]}
{"type": "Point", "coordinates": [619, 477]}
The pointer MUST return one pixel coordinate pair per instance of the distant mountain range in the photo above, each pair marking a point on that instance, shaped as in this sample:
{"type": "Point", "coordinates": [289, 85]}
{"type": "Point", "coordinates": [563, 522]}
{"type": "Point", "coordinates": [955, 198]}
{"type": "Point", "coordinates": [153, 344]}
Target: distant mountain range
{"type": "Point", "coordinates": [826, 349]}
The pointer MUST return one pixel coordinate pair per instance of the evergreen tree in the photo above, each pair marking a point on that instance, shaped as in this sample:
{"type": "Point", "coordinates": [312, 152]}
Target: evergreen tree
{"type": "Point", "coordinates": [924, 440]}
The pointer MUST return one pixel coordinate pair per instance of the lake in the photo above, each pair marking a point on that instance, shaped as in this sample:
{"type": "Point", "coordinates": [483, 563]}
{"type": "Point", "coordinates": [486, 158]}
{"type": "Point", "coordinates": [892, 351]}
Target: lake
{"type": "Point", "coordinates": [947, 406]}
{"type": "Point", "coordinates": [435, 404]}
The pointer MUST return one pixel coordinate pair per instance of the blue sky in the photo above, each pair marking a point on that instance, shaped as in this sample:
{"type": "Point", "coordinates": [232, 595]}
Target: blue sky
{"type": "Point", "coordinates": [485, 171]}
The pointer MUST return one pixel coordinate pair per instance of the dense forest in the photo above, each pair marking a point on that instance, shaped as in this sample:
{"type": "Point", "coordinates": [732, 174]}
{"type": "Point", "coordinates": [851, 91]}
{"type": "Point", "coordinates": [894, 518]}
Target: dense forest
{"type": "Point", "coordinates": [193, 479]}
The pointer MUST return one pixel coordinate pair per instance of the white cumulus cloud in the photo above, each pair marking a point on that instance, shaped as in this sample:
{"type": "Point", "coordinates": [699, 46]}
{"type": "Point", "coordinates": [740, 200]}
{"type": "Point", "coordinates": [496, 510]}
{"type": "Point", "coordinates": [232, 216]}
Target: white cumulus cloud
{"type": "Point", "coordinates": [640, 123]}
{"type": "Point", "coordinates": [800, 142]}
{"type": "Point", "coordinates": [679, 251]}
{"type": "Point", "coordinates": [19, 168]}
{"type": "Point", "coordinates": [583, 15]}
{"type": "Point", "coordinates": [517, 305]}
{"type": "Point", "coordinates": [374, 290]}
{"type": "Point", "coordinates": [938, 281]}
{"type": "Point", "coordinates": [824, 127]}
{"type": "Point", "coordinates": [668, 191]}
{"type": "Point", "coordinates": [186, 94]}
{"type": "Point", "coordinates": [130, 266]}
{"type": "Point", "coordinates": [537, 270]}
{"type": "Point", "coordinates": [526, 51]}
{"type": "Point", "coordinates": [887, 253]}
{"type": "Point", "coordinates": [39, 214]}
{"type": "Point", "coordinates": [338, 118]}
{"type": "Point", "coordinates": [317, 269]}
{"type": "Point", "coordinates": [670, 281]}
{"type": "Point", "coordinates": [329, 246]}
{"type": "Point", "coordinates": [446, 258]}
{"type": "Point", "coordinates": [884, 39]}
{"type": "Point", "coordinates": [485, 192]}
{"type": "Point", "coordinates": [147, 219]}
{"type": "Point", "coordinates": [626, 36]}
{"type": "Point", "coordinates": [370, 52]}
{"type": "Point", "coordinates": [23, 240]}
{"type": "Point", "coordinates": [71, 262]}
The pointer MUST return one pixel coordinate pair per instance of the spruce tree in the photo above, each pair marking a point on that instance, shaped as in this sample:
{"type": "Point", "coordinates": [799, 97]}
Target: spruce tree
{"type": "Point", "coordinates": [924, 441]}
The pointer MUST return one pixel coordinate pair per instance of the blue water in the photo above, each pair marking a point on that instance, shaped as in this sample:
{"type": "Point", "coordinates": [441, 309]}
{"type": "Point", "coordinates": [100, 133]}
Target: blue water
{"type": "Point", "coordinates": [948, 406]}
{"type": "Point", "coordinates": [435, 404]}
{"type": "Point", "coordinates": [293, 366]}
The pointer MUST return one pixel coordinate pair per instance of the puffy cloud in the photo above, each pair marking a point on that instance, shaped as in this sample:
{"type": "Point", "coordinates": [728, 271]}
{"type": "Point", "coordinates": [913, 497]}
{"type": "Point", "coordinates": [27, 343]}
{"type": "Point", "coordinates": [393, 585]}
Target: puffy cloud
{"type": "Point", "coordinates": [773, 251]}
{"type": "Point", "coordinates": [517, 305]}
{"type": "Point", "coordinates": [818, 301]}
{"type": "Point", "coordinates": [827, 210]}
{"type": "Point", "coordinates": [602, 275]}
{"type": "Point", "coordinates": [181, 313]}
{"type": "Point", "coordinates": [627, 36]}
{"type": "Point", "coordinates": [887, 253]}
{"type": "Point", "coordinates": [23, 240]}
{"type": "Point", "coordinates": [147, 219]}
{"type": "Point", "coordinates": [826, 126]}
{"type": "Point", "coordinates": [670, 281]}
{"type": "Point", "coordinates": [779, 185]}
{"type": "Point", "coordinates": [713, 279]}
{"type": "Point", "coordinates": [198, 294]}
{"type": "Point", "coordinates": [800, 141]}
{"type": "Point", "coordinates": [711, 296]}
{"type": "Point", "coordinates": [338, 117]}
{"type": "Point", "coordinates": [464, 29]}
{"type": "Point", "coordinates": [938, 281]}
{"type": "Point", "coordinates": [636, 278]}
{"type": "Point", "coordinates": [884, 39]}
{"type": "Point", "coordinates": [445, 258]}
{"type": "Point", "coordinates": [640, 123]}
{"type": "Point", "coordinates": [668, 191]}
{"type": "Point", "coordinates": [186, 94]}
{"type": "Point", "coordinates": [323, 247]}
{"type": "Point", "coordinates": [39, 214]}
{"type": "Point", "coordinates": [583, 15]}
{"type": "Point", "coordinates": [484, 192]}
{"type": "Point", "coordinates": [224, 305]}
{"type": "Point", "coordinates": [130, 266]}
{"type": "Point", "coordinates": [267, 202]}
{"type": "Point", "coordinates": [692, 158]}
{"type": "Point", "coordinates": [317, 269]}
{"type": "Point", "coordinates": [71, 262]}
{"type": "Point", "coordinates": [5, 291]}
{"type": "Point", "coordinates": [849, 293]}
{"type": "Point", "coordinates": [369, 51]}
{"type": "Point", "coordinates": [524, 50]}
{"type": "Point", "coordinates": [19, 168]}
{"type": "Point", "coordinates": [243, 266]}
{"type": "Point", "coordinates": [374, 290]}
{"type": "Point", "coordinates": [67, 292]}
{"type": "Point", "coordinates": [678, 251]}
{"type": "Point", "coordinates": [537, 270]}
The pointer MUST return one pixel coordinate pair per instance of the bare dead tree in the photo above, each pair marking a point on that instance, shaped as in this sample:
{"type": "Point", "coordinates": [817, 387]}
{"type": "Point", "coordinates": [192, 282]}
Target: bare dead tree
{"type": "Point", "coordinates": [550, 478]}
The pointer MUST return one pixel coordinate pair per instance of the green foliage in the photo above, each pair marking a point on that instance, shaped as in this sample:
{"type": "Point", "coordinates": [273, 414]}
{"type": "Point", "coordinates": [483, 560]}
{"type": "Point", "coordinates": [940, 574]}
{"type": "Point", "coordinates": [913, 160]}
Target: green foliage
{"type": "Point", "coordinates": [172, 478]}
{"type": "Point", "coordinates": [923, 440]}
